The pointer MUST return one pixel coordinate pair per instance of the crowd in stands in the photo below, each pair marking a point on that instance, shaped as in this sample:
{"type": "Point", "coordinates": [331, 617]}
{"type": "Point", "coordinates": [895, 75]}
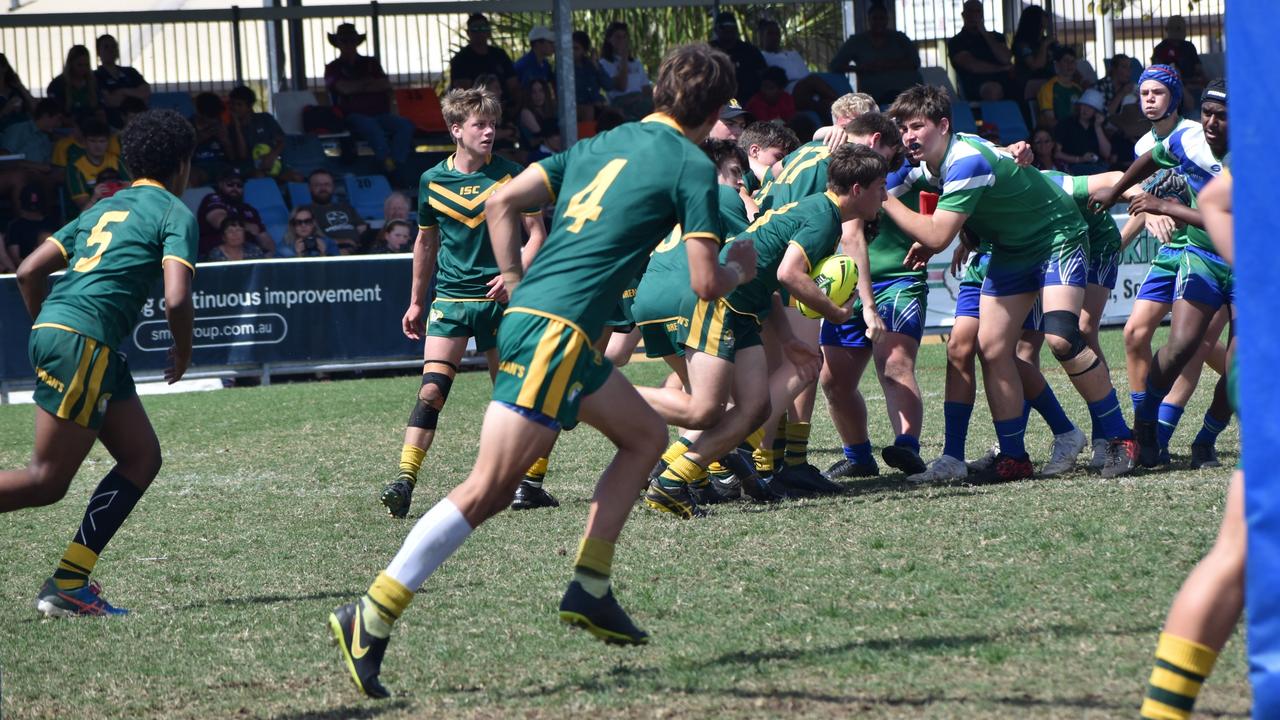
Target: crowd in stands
{"type": "Point", "coordinates": [62, 152]}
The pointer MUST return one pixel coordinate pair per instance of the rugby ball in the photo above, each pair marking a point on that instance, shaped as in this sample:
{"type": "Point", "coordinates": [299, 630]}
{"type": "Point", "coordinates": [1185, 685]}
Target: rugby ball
{"type": "Point", "coordinates": [837, 278]}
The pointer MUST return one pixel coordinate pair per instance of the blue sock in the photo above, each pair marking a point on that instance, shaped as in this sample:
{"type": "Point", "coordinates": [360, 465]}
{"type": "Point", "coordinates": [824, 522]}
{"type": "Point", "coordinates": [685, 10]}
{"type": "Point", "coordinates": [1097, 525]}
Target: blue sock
{"type": "Point", "coordinates": [1137, 398]}
{"type": "Point", "coordinates": [1046, 403]}
{"type": "Point", "coordinates": [1168, 415]}
{"type": "Point", "coordinates": [1011, 434]}
{"type": "Point", "coordinates": [1106, 412]}
{"type": "Point", "coordinates": [956, 421]}
{"type": "Point", "coordinates": [859, 454]}
{"type": "Point", "coordinates": [1026, 411]}
{"type": "Point", "coordinates": [1208, 434]}
{"type": "Point", "coordinates": [1095, 430]}
{"type": "Point", "coordinates": [1150, 407]}
{"type": "Point", "coordinates": [910, 442]}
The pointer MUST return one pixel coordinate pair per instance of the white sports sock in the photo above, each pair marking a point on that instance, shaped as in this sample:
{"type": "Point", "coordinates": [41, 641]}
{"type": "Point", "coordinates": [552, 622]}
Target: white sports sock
{"type": "Point", "coordinates": [433, 539]}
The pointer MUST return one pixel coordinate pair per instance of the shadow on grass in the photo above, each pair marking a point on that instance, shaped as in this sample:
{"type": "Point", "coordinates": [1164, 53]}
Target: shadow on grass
{"type": "Point", "coordinates": [270, 599]}
{"type": "Point", "coordinates": [347, 712]}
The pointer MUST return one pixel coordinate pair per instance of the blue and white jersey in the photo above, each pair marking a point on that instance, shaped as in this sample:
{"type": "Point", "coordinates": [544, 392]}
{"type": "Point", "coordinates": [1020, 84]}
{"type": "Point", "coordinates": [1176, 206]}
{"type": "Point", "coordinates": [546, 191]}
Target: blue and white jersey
{"type": "Point", "coordinates": [1148, 141]}
{"type": "Point", "coordinates": [1187, 149]}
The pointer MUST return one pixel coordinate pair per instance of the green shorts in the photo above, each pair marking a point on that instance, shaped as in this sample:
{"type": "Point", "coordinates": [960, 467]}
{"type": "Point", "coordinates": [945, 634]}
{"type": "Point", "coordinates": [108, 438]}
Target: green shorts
{"type": "Point", "coordinates": [76, 376]}
{"type": "Point", "coordinates": [478, 319]}
{"type": "Point", "coordinates": [715, 328]}
{"type": "Point", "coordinates": [623, 319]}
{"type": "Point", "coordinates": [661, 338]}
{"type": "Point", "coordinates": [545, 367]}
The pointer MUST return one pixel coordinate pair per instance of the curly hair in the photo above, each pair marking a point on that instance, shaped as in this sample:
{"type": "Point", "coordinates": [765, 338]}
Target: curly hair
{"type": "Point", "coordinates": [155, 143]}
{"type": "Point", "coordinates": [694, 81]}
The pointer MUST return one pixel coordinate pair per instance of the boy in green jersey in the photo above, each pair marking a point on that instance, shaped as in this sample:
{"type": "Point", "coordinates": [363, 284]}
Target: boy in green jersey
{"type": "Point", "coordinates": [114, 253]}
{"type": "Point", "coordinates": [619, 191]}
{"type": "Point", "coordinates": [453, 242]}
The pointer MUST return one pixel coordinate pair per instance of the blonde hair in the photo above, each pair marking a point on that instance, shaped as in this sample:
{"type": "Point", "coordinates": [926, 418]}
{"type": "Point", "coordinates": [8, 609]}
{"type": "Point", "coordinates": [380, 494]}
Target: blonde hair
{"type": "Point", "coordinates": [852, 105]}
{"type": "Point", "coordinates": [458, 105]}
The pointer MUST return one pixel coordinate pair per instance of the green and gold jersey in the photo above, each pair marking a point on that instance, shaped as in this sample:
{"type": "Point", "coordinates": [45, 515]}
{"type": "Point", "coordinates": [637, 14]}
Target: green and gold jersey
{"type": "Point", "coordinates": [1104, 234]}
{"type": "Point", "coordinates": [619, 193]}
{"type": "Point", "coordinates": [115, 252]}
{"type": "Point", "coordinates": [666, 280]}
{"type": "Point", "coordinates": [812, 224]}
{"type": "Point", "coordinates": [454, 202]}
{"type": "Point", "coordinates": [804, 173]}
{"type": "Point", "coordinates": [82, 173]}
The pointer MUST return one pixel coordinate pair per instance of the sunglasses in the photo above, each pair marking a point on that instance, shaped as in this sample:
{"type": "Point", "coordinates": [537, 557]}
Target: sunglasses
{"type": "Point", "coordinates": [303, 221]}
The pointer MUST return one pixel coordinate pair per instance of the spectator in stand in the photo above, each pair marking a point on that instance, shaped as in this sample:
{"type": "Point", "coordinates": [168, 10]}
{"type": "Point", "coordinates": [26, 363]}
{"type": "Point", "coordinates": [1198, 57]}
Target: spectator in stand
{"type": "Point", "coordinates": [810, 91]}
{"type": "Point", "coordinates": [886, 60]}
{"type": "Point", "coordinates": [304, 236]}
{"type": "Point", "coordinates": [1118, 87]}
{"type": "Point", "coordinates": [395, 207]}
{"type": "Point", "coordinates": [589, 77]}
{"type": "Point", "coordinates": [478, 58]}
{"type": "Point", "coordinates": [748, 63]}
{"type": "Point", "coordinates": [395, 237]}
{"type": "Point", "coordinates": [30, 228]}
{"type": "Point", "coordinates": [628, 88]}
{"type": "Point", "coordinates": [257, 140]}
{"type": "Point", "coordinates": [733, 120]}
{"type": "Point", "coordinates": [361, 90]}
{"type": "Point", "coordinates": [507, 135]}
{"type": "Point", "coordinates": [1056, 99]}
{"type": "Point", "coordinates": [534, 64]}
{"type": "Point", "coordinates": [1175, 49]}
{"type": "Point", "coordinates": [773, 102]}
{"type": "Point", "coordinates": [84, 173]}
{"type": "Point", "coordinates": [334, 219]}
{"type": "Point", "coordinates": [539, 126]}
{"type": "Point", "coordinates": [75, 89]}
{"type": "Point", "coordinates": [32, 138]}
{"type": "Point", "coordinates": [115, 83]}
{"type": "Point", "coordinates": [982, 60]}
{"type": "Point", "coordinates": [1034, 52]}
{"type": "Point", "coordinates": [227, 200]}
{"type": "Point", "coordinates": [213, 154]}
{"type": "Point", "coordinates": [1044, 150]}
{"type": "Point", "coordinates": [233, 246]}
{"type": "Point", "coordinates": [15, 102]}
{"type": "Point", "coordinates": [1082, 139]}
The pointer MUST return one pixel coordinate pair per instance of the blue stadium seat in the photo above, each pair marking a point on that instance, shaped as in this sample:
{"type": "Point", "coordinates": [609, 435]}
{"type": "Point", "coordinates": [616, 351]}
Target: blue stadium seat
{"type": "Point", "coordinates": [264, 195]}
{"type": "Point", "coordinates": [179, 101]}
{"type": "Point", "coordinates": [1007, 118]}
{"type": "Point", "coordinates": [304, 153]}
{"type": "Point", "coordinates": [366, 193]}
{"type": "Point", "coordinates": [838, 82]}
{"type": "Point", "coordinates": [299, 194]}
{"type": "Point", "coordinates": [962, 118]}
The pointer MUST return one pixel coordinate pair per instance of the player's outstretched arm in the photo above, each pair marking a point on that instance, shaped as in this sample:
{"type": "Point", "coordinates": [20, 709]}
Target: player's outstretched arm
{"type": "Point", "coordinates": [502, 215]}
{"type": "Point", "coordinates": [1105, 197]}
{"type": "Point", "coordinates": [1152, 205]}
{"type": "Point", "coordinates": [935, 231]}
{"type": "Point", "coordinates": [34, 272]}
{"type": "Point", "coordinates": [707, 277]}
{"type": "Point", "coordinates": [181, 314]}
{"type": "Point", "coordinates": [425, 248]}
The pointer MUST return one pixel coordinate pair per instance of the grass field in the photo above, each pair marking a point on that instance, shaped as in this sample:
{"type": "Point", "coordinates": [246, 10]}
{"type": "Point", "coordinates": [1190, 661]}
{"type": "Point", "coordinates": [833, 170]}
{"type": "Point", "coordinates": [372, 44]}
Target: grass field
{"type": "Point", "coordinates": [1036, 599]}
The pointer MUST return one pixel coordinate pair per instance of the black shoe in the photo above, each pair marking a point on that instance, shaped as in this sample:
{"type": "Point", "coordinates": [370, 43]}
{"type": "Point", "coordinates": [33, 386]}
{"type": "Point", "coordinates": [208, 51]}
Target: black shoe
{"type": "Point", "coordinates": [529, 496]}
{"type": "Point", "coordinates": [807, 479]}
{"type": "Point", "coordinates": [396, 497]}
{"type": "Point", "coordinates": [761, 489]}
{"type": "Point", "coordinates": [679, 501]}
{"type": "Point", "coordinates": [903, 458]}
{"type": "Point", "coordinates": [602, 617]}
{"type": "Point", "coordinates": [707, 493]}
{"type": "Point", "coordinates": [1144, 432]}
{"type": "Point", "coordinates": [1204, 457]}
{"type": "Point", "coordinates": [846, 468]}
{"type": "Point", "coordinates": [361, 652]}
{"type": "Point", "coordinates": [726, 484]}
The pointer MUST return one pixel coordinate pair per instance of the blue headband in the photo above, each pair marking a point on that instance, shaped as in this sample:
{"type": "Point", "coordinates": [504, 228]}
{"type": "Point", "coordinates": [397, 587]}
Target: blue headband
{"type": "Point", "coordinates": [1167, 76]}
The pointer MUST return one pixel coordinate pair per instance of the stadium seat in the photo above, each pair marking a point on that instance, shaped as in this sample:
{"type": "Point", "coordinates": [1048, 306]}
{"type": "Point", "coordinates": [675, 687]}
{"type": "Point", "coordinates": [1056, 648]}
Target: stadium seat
{"type": "Point", "coordinates": [192, 197]}
{"type": "Point", "coordinates": [838, 82]}
{"type": "Point", "coordinates": [304, 153]}
{"type": "Point", "coordinates": [1006, 117]}
{"type": "Point", "coordinates": [299, 194]}
{"type": "Point", "coordinates": [962, 118]}
{"type": "Point", "coordinates": [179, 101]}
{"type": "Point", "coordinates": [938, 76]}
{"type": "Point", "coordinates": [287, 107]}
{"type": "Point", "coordinates": [366, 193]}
{"type": "Point", "coordinates": [264, 195]}
{"type": "Point", "coordinates": [421, 106]}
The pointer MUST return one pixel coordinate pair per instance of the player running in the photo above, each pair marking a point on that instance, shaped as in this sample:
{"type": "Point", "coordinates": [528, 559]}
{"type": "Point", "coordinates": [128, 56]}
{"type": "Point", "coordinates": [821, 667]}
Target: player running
{"type": "Point", "coordinates": [453, 241]}
{"type": "Point", "coordinates": [114, 253]}
{"type": "Point", "coordinates": [615, 190]}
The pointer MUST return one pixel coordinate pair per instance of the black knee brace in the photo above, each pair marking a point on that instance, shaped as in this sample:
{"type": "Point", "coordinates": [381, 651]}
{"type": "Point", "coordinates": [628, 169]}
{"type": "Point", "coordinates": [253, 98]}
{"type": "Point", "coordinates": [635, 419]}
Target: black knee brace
{"type": "Point", "coordinates": [425, 415]}
{"type": "Point", "coordinates": [1079, 357]}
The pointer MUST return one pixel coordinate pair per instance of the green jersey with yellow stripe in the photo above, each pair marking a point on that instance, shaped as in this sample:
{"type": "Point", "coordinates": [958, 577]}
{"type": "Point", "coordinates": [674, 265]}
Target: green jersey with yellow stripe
{"type": "Point", "coordinates": [453, 201]}
{"type": "Point", "coordinates": [804, 173]}
{"type": "Point", "coordinates": [115, 251]}
{"type": "Point", "coordinates": [619, 193]}
{"type": "Point", "coordinates": [812, 224]}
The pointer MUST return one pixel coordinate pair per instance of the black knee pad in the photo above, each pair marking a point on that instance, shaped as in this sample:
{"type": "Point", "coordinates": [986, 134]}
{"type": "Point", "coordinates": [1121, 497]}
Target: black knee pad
{"type": "Point", "coordinates": [1078, 358]}
{"type": "Point", "coordinates": [424, 416]}
{"type": "Point", "coordinates": [442, 382]}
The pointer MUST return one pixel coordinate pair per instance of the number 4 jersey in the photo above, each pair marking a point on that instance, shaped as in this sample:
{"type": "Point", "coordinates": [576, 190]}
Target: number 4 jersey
{"type": "Point", "coordinates": [115, 252]}
{"type": "Point", "coordinates": [617, 195]}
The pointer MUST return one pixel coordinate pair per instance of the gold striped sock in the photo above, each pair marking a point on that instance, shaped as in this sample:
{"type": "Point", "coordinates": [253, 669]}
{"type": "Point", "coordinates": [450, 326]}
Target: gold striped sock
{"type": "Point", "coordinates": [383, 604]}
{"type": "Point", "coordinates": [683, 471]}
{"type": "Point", "coordinates": [756, 438]}
{"type": "Point", "coordinates": [537, 472]}
{"type": "Point", "coordinates": [411, 462]}
{"type": "Point", "coordinates": [797, 452]}
{"type": "Point", "coordinates": [1180, 669]}
{"type": "Point", "coordinates": [677, 449]}
{"type": "Point", "coordinates": [594, 565]}
{"type": "Point", "coordinates": [74, 567]}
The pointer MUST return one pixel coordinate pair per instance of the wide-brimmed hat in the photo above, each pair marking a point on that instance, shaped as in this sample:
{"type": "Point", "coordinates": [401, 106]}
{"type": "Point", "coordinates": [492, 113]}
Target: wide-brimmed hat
{"type": "Point", "coordinates": [539, 32]}
{"type": "Point", "coordinates": [1093, 99]}
{"type": "Point", "coordinates": [346, 31]}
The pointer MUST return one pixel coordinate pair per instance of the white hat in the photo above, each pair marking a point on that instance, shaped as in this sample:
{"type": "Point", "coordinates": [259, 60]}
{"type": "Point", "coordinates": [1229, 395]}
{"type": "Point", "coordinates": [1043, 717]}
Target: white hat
{"type": "Point", "coordinates": [541, 33]}
{"type": "Point", "coordinates": [1093, 99]}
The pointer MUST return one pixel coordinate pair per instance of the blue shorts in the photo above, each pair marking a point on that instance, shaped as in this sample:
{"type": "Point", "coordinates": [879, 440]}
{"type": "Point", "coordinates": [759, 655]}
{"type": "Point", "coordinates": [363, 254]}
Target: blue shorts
{"type": "Point", "coordinates": [1204, 277]}
{"type": "Point", "coordinates": [900, 303]}
{"type": "Point", "coordinates": [1162, 278]}
{"type": "Point", "coordinates": [1069, 268]}
{"type": "Point", "coordinates": [970, 295]}
{"type": "Point", "coordinates": [1105, 270]}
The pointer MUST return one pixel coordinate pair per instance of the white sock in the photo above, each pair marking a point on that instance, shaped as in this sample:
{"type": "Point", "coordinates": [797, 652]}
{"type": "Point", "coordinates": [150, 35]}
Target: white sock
{"type": "Point", "coordinates": [433, 539]}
